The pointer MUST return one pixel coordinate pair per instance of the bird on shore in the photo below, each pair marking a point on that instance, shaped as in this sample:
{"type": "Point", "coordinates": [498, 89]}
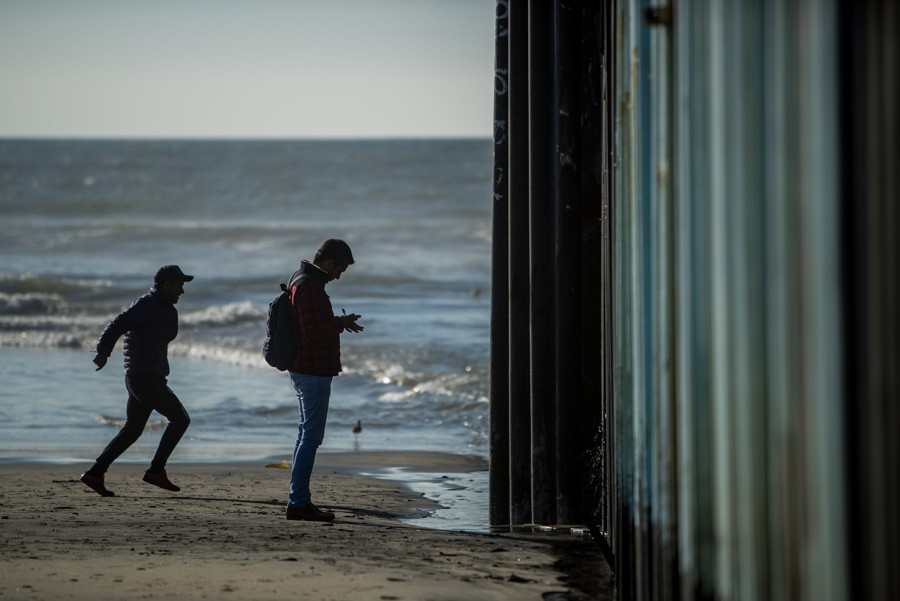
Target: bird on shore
{"type": "Point", "coordinates": [357, 428]}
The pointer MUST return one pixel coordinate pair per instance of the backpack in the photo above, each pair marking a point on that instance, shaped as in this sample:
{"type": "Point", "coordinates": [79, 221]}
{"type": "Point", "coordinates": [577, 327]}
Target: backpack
{"type": "Point", "coordinates": [281, 344]}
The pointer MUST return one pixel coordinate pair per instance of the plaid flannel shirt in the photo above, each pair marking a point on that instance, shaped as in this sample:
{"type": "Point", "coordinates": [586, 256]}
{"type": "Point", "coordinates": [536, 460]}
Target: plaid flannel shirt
{"type": "Point", "coordinates": [318, 330]}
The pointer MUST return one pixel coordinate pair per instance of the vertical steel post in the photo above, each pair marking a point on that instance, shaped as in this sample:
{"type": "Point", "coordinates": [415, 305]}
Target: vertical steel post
{"type": "Point", "coordinates": [870, 130]}
{"type": "Point", "coordinates": [519, 366]}
{"type": "Point", "coordinates": [598, 94]}
{"type": "Point", "coordinates": [567, 201]}
{"type": "Point", "coordinates": [594, 232]}
{"type": "Point", "coordinates": [542, 267]}
{"type": "Point", "coordinates": [499, 362]}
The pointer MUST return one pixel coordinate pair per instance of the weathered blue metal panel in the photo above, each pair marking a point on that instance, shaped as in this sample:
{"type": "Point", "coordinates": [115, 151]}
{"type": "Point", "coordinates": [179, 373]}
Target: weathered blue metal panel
{"type": "Point", "coordinates": [745, 273]}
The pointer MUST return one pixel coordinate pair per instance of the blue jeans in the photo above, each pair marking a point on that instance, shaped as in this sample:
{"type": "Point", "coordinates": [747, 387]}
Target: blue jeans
{"type": "Point", "coordinates": [313, 393]}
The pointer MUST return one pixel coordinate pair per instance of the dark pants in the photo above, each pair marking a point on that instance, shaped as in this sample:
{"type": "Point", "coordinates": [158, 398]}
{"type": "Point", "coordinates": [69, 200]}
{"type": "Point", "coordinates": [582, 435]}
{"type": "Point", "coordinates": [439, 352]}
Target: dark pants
{"type": "Point", "coordinates": [146, 393]}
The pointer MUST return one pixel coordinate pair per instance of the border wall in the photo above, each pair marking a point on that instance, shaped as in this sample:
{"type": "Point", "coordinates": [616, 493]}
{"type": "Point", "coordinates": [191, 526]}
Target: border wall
{"type": "Point", "coordinates": [694, 339]}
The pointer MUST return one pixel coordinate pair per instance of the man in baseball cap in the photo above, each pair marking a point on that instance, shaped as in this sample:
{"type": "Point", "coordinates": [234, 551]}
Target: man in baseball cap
{"type": "Point", "coordinates": [171, 273]}
{"type": "Point", "coordinates": [149, 325]}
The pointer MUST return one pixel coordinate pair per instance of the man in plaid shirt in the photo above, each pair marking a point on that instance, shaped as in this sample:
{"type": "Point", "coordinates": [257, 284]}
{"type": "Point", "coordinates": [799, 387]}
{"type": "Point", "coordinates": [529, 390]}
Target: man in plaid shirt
{"type": "Point", "coordinates": [317, 361]}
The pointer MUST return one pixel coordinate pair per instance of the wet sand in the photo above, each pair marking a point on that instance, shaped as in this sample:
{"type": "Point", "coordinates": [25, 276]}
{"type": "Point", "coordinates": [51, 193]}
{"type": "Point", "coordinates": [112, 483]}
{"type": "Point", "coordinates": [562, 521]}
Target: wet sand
{"type": "Point", "coordinates": [224, 536]}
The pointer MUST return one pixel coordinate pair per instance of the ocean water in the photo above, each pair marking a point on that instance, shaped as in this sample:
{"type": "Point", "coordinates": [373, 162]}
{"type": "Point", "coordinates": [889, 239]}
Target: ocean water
{"type": "Point", "coordinates": [85, 224]}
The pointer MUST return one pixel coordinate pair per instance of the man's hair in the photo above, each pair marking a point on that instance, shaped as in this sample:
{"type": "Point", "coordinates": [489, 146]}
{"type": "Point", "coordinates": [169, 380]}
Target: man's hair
{"type": "Point", "coordinates": [336, 250]}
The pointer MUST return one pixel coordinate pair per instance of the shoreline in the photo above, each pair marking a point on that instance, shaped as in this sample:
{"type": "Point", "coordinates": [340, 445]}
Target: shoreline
{"type": "Point", "coordinates": [225, 535]}
{"type": "Point", "coordinates": [431, 474]}
{"type": "Point", "coordinates": [352, 461]}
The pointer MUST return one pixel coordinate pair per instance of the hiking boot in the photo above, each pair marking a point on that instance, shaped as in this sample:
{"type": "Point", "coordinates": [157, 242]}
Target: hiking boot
{"type": "Point", "coordinates": [96, 482]}
{"type": "Point", "coordinates": [310, 513]}
{"type": "Point", "coordinates": [159, 479]}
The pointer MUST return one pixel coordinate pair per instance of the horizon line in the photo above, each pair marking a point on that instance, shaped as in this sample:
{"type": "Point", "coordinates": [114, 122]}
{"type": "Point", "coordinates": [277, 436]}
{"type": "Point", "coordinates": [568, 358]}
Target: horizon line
{"type": "Point", "coordinates": [238, 138]}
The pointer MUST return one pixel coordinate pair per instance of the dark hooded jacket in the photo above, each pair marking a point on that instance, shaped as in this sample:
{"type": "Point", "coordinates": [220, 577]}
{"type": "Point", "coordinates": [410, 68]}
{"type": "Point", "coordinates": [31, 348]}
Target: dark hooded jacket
{"type": "Point", "coordinates": [149, 325]}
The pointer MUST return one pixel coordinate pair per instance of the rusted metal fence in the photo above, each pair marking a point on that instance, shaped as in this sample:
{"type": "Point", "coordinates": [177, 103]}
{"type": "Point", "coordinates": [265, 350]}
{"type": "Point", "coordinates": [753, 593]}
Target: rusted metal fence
{"type": "Point", "coordinates": [694, 331]}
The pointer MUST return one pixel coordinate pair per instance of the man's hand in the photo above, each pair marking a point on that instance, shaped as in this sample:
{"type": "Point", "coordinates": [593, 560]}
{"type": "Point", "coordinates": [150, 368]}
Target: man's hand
{"type": "Point", "coordinates": [100, 361]}
{"type": "Point", "coordinates": [349, 323]}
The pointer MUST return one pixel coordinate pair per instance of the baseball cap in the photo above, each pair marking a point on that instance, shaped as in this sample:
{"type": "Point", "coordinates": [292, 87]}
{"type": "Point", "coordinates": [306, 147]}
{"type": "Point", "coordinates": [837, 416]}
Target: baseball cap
{"type": "Point", "coordinates": [168, 273]}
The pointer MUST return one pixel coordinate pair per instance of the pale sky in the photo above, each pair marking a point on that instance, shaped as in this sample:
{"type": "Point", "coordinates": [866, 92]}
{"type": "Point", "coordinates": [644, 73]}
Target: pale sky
{"type": "Point", "coordinates": [246, 68]}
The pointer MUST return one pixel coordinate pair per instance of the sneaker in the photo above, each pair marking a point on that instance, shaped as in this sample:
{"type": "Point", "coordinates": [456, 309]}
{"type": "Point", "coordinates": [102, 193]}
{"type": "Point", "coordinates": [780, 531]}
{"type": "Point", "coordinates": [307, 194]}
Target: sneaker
{"type": "Point", "coordinates": [310, 513]}
{"type": "Point", "coordinates": [96, 482]}
{"type": "Point", "coordinates": [160, 479]}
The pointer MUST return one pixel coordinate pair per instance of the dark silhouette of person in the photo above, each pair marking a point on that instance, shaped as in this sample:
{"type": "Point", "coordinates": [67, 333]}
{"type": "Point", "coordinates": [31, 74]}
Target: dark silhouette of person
{"type": "Point", "coordinates": [317, 362]}
{"type": "Point", "coordinates": [149, 325]}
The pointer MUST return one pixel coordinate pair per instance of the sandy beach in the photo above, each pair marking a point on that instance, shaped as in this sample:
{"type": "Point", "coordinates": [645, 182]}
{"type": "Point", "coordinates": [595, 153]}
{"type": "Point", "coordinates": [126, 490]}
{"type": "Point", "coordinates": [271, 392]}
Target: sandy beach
{"type": "Point", "coordinates": [224, 536]}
